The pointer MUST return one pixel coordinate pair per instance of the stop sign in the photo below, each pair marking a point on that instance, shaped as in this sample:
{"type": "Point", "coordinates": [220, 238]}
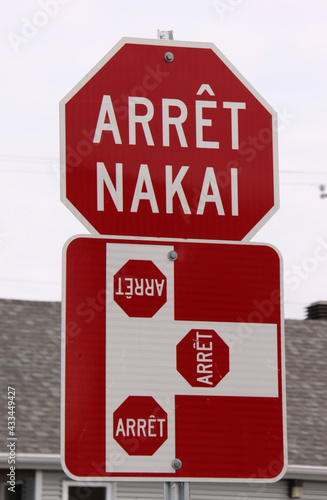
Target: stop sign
{"type": "Point", "coordinates": [140, 288]}
{"type": "Point", "coordinates": [202, 358]}
{"type": "Point", "coordinates": [140, 425]}
{"type": "Point", "coordinates": [166, 139]}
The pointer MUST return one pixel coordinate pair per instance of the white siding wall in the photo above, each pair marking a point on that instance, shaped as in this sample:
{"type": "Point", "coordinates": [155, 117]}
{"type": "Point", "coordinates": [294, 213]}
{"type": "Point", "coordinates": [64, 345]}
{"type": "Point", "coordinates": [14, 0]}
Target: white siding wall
{"type": "Point", "coordinates": [238, 491]}
{"type": "Point", "coordinates": [312, 490]}
{"type": "Point", "coordinates": [52, 485]}
{"type": "Point", "coordinates": [139, 491]}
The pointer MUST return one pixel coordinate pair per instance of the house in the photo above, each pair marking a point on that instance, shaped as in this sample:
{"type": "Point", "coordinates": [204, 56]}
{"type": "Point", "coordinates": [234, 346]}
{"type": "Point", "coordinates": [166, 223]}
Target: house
{"type": "Point", "coordinates": [30, 385]}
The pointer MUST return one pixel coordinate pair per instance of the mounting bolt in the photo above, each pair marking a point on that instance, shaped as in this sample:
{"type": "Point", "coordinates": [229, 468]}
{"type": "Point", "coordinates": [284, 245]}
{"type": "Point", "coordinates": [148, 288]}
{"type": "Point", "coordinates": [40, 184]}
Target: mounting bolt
{"type": "Point", "coordinates": [176, 463]}
{"type": "Point", "coordinates": [169, 57]}
{"type": "Point", "coordinates": [172, 255]}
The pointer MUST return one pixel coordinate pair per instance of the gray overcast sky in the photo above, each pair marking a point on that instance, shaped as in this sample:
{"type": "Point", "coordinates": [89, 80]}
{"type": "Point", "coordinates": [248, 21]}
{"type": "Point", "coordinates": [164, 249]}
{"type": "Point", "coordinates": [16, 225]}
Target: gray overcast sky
{"type": "Point", "coordinates": [47, 46]}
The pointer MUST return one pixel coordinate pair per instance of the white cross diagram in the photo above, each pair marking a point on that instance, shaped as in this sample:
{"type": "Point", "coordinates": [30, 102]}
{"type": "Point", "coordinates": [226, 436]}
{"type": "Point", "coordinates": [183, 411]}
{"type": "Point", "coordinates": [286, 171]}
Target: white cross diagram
{"type": "Point", "coordinates": [141, 361]}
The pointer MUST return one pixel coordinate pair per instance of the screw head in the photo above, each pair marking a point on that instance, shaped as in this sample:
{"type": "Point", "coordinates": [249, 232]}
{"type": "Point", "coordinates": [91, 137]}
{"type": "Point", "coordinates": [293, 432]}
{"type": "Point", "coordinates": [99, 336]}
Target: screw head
{"type": "Point", "coordinates": [176, 463]}
{"type": "Point", "coordinates": [169, 57]}
{"type": "Point", "coordinates": [172, 255]}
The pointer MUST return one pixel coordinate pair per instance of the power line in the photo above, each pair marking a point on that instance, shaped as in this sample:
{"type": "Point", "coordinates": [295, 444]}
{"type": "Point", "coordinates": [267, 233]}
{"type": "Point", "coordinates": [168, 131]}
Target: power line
{"type": "Point", "coordinates": [300, 183]}
{"type": "Point", "coordinates": [54, 163]}
{"type": "Point", "coordinates": [20, 280]}
{"type": "Point", "coordinates": [302, 172]}
{"type": "Point", "coordinates": [15, 171]}
{"type": "Point", "coordinates": [25, 159]}
{"type": "Point", "coordinates": [55, 159]}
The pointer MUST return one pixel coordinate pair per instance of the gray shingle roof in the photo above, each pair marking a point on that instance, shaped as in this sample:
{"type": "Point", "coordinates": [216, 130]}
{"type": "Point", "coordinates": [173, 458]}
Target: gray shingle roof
{"type": "Point", "coordinates": [306, 390]}
{"type": "Point", "coordinates": [30, 361]}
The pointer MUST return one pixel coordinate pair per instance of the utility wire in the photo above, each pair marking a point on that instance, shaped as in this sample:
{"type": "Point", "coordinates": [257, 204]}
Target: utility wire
{"type": "Point", "coordinates": [48, 159]}
{"type": "Point", "coordinates": [54, 162]}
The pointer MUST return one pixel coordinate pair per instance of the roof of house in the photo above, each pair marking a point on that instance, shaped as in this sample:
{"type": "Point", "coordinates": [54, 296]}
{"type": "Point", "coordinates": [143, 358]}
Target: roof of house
{"type": "Point", "coordinates": [30, 362]}
{"type": "Point", "coordinates": [306, 391]}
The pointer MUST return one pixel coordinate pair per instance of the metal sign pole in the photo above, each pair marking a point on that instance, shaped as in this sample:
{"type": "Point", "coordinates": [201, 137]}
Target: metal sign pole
{"type": "Point", "coordinates": [165, 35]}
{"type": "Point", "coordinates": [176, 491]}
{"type": "Point", "coordinates": [172, 490]}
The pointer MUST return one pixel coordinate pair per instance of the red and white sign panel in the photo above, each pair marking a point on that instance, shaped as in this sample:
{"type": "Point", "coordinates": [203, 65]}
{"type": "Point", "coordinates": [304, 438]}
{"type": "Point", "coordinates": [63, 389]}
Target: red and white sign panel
{"type": "Point", "coordinates": [185, 149]}
{"type": "Point", "coordinates": [192, 369]}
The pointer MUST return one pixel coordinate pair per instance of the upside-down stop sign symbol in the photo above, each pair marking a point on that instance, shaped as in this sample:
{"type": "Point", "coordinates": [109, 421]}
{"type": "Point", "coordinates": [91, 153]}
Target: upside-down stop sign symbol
{"type": "Point", "coordinates": [140, 288]}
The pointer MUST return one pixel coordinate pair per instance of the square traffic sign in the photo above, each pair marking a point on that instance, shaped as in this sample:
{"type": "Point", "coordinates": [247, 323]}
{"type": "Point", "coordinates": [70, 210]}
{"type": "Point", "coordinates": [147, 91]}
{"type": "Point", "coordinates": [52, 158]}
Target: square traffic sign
{"type": "Point", "coordinates": [173, 361]}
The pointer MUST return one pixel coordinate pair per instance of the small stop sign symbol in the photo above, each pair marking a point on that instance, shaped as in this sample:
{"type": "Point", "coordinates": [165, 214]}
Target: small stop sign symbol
{"type": "Point", "coordinates": [140, 425]}
{"type": "Point", "coordinates": [202, 358]}
{"type": "Point", "coordinates": [140, 288]}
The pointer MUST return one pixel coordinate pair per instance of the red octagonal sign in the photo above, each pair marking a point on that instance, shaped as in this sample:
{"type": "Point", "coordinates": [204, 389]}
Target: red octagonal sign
{"type": "Point", "coordinates": [202, 358]}
{"type": "Point", "coordinates": [140, 288]}
{"type": "Point", "coordinates": [166, 139]}
{"type": "Point", "coordinates": [140, 425]}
